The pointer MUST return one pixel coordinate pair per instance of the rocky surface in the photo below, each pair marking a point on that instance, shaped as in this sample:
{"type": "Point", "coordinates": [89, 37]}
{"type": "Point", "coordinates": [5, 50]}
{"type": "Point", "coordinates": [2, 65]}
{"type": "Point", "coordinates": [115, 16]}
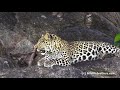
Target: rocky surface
{"type": "Point", "coordinates": [19, 31]}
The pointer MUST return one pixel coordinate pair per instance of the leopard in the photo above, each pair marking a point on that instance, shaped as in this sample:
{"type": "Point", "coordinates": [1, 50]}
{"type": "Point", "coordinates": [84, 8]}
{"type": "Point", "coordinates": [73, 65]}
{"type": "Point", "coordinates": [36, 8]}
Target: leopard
{"type": "Point", "coordinates": [57, 51]}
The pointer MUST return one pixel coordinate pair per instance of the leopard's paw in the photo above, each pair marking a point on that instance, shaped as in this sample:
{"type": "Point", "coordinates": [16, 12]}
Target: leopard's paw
{"type": "Point", "coordinates": [49, 64]}
{"type": "Point", "coordinates": [40, 62]}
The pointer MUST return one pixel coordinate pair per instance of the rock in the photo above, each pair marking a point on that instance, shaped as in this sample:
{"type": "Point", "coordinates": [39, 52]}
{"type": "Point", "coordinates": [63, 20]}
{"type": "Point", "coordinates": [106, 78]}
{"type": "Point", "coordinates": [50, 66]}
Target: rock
{"type": "Point", "coordinates": [8, 19]}
{"type": "Point", "coordinates": [6, 63]}
{"type": "Point", "coordinates": [95, 69]}
{"type": "Point", "coordinates": [9, 38]}
{"type": "Point", "coordinates": [106, 22]}
{"type": "Point", "coordinates": [36, 72]}
{"type": "Point", "coordinates": [76, 33]}
{"type": "Point", "coordinates": [2, 49]}
{"type": "Point", "coordinates": [106, 68]}
{"type": "Point", "coordinates": [23, 47]}
{"type": "Point", "coordinates": [22, 53]}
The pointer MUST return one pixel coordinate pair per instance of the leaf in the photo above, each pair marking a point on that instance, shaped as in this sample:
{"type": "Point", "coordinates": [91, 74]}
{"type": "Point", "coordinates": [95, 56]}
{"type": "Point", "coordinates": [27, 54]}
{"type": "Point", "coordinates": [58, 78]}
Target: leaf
{"type": "Point", "coordinates": [117, 38]}
{"type": "Point", "coordinates": [117, 43]}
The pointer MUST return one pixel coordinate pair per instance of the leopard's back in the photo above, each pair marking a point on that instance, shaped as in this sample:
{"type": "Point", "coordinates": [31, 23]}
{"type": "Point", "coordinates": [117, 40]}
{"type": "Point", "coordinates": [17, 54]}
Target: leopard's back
{"type": "Point", "coordinates": [91, 50]}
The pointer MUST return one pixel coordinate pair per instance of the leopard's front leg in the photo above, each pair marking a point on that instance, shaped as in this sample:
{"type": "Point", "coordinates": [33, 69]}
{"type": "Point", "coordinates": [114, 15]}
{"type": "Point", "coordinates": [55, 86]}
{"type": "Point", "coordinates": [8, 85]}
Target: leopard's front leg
{"type": "Point", "coordinates": [50, 63]}
{"type": "Point", "coordinates": [41, 62]}
{"type": "Point", "coordinates": [46, 62]}
{"type": "Point", "coordinates": [60, 62]}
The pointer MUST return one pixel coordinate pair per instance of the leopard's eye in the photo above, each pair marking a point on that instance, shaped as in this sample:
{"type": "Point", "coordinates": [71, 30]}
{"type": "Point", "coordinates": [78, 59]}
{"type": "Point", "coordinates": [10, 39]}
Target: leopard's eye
{"type": "Point", "coordinates": [42, 51]}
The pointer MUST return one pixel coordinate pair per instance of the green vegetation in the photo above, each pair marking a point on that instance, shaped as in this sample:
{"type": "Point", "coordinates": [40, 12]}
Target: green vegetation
{"type": "Point", "coordinates": [117, 40]}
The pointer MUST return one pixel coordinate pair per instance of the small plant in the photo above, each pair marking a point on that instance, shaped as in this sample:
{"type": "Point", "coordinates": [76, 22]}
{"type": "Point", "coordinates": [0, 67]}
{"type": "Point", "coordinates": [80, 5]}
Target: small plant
{"type": "Point", "coordinates": [117, 40]}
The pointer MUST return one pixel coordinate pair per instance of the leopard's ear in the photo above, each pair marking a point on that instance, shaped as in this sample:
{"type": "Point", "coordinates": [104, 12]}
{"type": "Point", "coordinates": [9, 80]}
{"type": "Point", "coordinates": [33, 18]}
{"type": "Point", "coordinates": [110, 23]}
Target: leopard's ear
{"type": "Point", "coordinates": [42, 35]}
{"type": "Point", "coordinates": [48, 36]}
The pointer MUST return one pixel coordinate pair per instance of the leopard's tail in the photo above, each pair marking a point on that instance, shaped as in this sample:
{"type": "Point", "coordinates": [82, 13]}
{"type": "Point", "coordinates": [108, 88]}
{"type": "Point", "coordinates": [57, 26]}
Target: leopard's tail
{"type": "Point", "coordinates": [111, 49]}
{"type": "Point", "coordinates": [117, 52]}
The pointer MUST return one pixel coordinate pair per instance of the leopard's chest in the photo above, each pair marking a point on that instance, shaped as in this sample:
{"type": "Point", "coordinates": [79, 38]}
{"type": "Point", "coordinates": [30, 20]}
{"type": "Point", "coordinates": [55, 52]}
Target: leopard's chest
{"type": "Point", "coordinates": [54, 55]}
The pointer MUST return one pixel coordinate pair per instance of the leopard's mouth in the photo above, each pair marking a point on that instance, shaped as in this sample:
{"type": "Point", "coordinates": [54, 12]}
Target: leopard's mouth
{"type": "Point", "coordinates": [42, 52]}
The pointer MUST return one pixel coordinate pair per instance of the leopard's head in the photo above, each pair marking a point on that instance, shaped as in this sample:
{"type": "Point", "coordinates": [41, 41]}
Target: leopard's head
{"type": "Point", "coordinates": [47, 43]}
